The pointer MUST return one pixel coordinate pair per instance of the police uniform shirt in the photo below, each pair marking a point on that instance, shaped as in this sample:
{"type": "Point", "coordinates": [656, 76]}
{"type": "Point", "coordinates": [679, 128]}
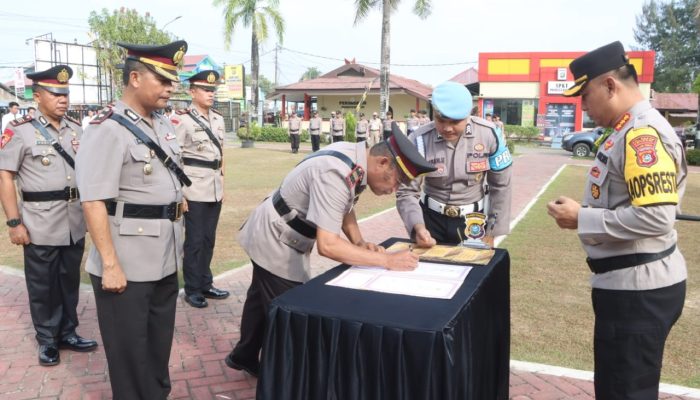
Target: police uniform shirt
{"type": "Point", "coordinates": [294, 126]}
{"type": "Point", "coordinates": [40, 168]}
{"type": "Point", "coordinates": [361, 128]}
{"type": "Point", "coordinates": [112, 164]}
{"type": "Point", "coordinates": [318, 191]}
{"type": "Point", "coordinates": [315, 126]}
{"type": "Point", "coordinates": [207, 183]}
{"type": "Point", "coordinates": [375, 124]}
{"type": "Point", "coordinates": [632, 194]}
{"type": "Point", "coordinates": [461, 169]}
{"type": "Point", "coordinates": [338, 126]}
{"type": "Point", "coordinates": [412, 123]}
{"type": "Point", "coordinates": [387, 124]}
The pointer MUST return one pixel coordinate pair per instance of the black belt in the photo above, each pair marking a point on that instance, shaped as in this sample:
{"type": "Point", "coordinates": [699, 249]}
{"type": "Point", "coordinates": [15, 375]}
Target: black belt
{"type": "Point", "coordinates": [602, 265]}
{"type": "Point", "coordinates": [172, 211]}
{"type": "Point", "coordinates": [295, 223]}
{"type": "Point", "coordinates": [68, 194]}
{"type": "Point", "coordinates": [341, 131]}
{"type": "Point", "coordinates": [194, 162]}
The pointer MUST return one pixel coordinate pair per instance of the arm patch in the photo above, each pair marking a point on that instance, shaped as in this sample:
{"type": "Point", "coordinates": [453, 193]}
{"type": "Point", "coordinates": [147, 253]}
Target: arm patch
{"type": "Point", "coordinates": [650, 171]}
{"type": "Point", "coordinates": [501, 158]}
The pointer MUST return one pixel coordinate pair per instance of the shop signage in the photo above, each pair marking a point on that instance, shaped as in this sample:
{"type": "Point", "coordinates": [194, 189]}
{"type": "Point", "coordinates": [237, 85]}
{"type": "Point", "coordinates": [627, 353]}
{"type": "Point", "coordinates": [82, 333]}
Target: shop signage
{"type": "Point", "coordinates": [558, 87]}
{"type": "Point", "coordinates": [561, 74]}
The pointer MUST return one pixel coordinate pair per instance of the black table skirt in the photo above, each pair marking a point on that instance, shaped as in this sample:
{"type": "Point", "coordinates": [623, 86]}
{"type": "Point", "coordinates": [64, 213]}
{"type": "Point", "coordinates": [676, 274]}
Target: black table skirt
{"type": "Point", "coordinates": [325, 342]}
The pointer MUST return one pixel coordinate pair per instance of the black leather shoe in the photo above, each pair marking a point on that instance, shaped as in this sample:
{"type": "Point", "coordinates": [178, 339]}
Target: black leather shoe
{"type": "Point", "coordinates": [196, 300]}
{"type": "Point", "coordinates": [215, 293]}
{"type": "Point", "coordinates": [77, 343]}
{"type": "Point", "coordinates": [48, 355]}
{"type": "Point", "coordinates": [232, 364]}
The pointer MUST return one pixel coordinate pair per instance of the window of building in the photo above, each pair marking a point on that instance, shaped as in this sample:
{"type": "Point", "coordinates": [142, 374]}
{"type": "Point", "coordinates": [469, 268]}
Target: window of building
{"type": "Point", "coordinates": [588, 123]}
{"type": "Point", "coordinates": [511, 111]}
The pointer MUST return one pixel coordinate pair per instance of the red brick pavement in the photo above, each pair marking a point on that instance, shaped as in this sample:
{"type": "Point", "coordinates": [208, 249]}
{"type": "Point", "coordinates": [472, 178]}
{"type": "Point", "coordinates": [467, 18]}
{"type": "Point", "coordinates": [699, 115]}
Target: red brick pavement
{"type": "Point", "coordinates": [204, 336]}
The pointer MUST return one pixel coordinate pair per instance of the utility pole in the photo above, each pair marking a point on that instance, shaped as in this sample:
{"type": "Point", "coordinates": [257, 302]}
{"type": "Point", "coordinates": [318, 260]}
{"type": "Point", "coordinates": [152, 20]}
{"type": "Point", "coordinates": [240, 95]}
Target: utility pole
{"type": "Point", "coordinates": [277, 47]}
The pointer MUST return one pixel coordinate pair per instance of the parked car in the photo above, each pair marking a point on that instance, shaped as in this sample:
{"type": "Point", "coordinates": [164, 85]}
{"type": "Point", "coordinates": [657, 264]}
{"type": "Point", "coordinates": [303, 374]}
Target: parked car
{"type": "Point", "coordinates": [581, 143]}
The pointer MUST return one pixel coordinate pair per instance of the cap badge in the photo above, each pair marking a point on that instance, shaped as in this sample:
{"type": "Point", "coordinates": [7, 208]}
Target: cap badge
{"type": "Point", "coordinates": [179, 55]}
{"type": "Point", "coordinates": [211, 78]}
{"type": "Point", "coordinates": [62, 76]}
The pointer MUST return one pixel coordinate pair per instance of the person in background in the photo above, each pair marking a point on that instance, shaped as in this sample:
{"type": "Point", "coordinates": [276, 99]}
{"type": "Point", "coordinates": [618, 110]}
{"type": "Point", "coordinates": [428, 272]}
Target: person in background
{"type": "Point", "coordinates": [626, 225]}
{"type": "Point", "coordinates": [361, 128]}
{"type": "Point", "coordinates": [315, 132]}
{"type": "Point", "coordinates": [86, 120]}
{"type": "Point", "coordinates": [294, 130]}
{"type": "Point", "coordinates": [314, 205]}
{"type": "Point", "coordinates": [31, 111]}
{"type": "Point", "coordinates": [12, 115]}
{"type": "Point", "coordinates": [375, 129]}
{"type": "Point", "coordinates": [337, 127]}
{"type": "Point", "coordinates": [412, 122]}
{"type": "Point", "coordinates": [500, 127]}
{"type": "Point", "coordinates": [387, 125]}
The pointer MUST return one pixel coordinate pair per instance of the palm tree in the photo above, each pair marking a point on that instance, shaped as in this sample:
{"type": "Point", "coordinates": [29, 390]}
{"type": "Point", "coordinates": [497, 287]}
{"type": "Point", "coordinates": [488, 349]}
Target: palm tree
{"type": "Point", "coordinates": [255, 14]}
{"type": "Point", "coordinates": [421, 8]}
{"type": "Point", "coordinates": [311, 73]}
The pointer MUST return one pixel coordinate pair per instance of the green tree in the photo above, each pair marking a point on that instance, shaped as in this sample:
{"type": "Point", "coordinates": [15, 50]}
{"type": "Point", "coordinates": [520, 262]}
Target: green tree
{"type": "Point", "coordinates": [311, 73]}
{"type": "Point", "coordinates": [421, 8]}
{"type": "Point", "coordinates": [254, 14]}
{"type": "Point", "coordinates": [670, 28]}
{"type": "Point", "coordinates": [123, 25]}
{"type": "Point", "coordinates": [265, 84]}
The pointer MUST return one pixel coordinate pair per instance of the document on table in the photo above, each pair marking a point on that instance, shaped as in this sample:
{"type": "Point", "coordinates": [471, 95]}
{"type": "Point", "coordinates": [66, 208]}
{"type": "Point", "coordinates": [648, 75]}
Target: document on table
{"type": "Point", "coordinates": [440, 281]}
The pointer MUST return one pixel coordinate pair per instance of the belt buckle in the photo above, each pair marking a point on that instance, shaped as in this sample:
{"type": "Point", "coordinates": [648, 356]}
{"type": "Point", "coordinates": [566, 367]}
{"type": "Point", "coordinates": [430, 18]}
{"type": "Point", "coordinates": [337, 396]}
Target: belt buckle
{"type": "Point", "coordinates": [72, 193]}
{"type": "Point", "coordinates": [452, 211]}
{"type": "Point", "coordinates": [177, 212]}
{"type": "Point", "coordinates": [219, 164]}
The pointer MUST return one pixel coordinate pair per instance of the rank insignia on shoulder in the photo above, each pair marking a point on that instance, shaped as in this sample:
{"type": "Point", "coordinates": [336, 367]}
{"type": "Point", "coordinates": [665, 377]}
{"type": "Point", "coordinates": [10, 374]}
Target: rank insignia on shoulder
{"type": "Point", "coordinates": [21, 121]}
{"type": "Point", "coordinates": [355, 177]}
{"type": "Point", "coordinates": [102, 116]}
{"type": "Point", "coordinates": [71, 119]}
{"type": "Point", "coordinates": [215, 111]}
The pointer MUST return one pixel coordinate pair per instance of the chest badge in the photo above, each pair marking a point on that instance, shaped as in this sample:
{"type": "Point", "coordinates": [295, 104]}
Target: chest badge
{"type": "Point", "coordinates": [609, 144]}
{"type": "Point", "coordinates": [595, 172]}
{"type": "Point", "coordinates": [478, 147]}
{"type": "Point", "coordinates": [147, 169]}
{"type": "Point", "coordinates": [595, 191]}
{"type": "Point", "coordinates": [200, 147]}
{"type": "Point", "coordinates": [75, 143]}
{"type": "Point", "coordinates": [45, 161]}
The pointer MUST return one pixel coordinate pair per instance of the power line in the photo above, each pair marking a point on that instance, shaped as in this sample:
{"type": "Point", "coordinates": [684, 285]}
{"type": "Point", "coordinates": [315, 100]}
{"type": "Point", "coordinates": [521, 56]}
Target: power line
{"type": "Point", "coordinates": [378, 63]}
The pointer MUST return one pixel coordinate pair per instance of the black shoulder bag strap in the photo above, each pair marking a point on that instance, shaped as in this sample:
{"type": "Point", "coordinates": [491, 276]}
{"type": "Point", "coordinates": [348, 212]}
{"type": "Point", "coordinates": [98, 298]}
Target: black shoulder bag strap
{"type": "Point", "coordinates": [61, 151]}
{"type": "Point", "coordinates": [141, 135]}
{"type": "Point", "coordinates": [208, 131]}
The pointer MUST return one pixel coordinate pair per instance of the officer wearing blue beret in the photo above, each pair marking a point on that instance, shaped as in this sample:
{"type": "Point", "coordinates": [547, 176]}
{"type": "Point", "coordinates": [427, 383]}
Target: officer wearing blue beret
{"type": "Point", "coordinates": [471, 161]}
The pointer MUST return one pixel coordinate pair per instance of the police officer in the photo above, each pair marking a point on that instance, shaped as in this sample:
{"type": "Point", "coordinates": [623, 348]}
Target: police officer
{"type": "Point", "coordinates": [468, 155]}
{"type": "Point", "coordinates": [200, 134]}
{"type": "Point", "coordinates": [375, 129]}
{"type": "Point", "coordinates": [337, 127]}
{"type": "Point", "coordinates": [361, 128]}
{"type": "Point", "coordinates": [130, 179]}
{"type": "Point", "coordinates": [315, 131]}
{"type": "Point", "coordinates": [293, 128]}
{"type": "Point", "coordinates": [314, 205]}
{"type": "Point", "coordinates": [387, 124]}
{"type": "Point", "coordinates": [412, 122]}
{"type": "Point", "coordinates": [632, 194]}
{"type": "Point", "coordinates": [48, 222]}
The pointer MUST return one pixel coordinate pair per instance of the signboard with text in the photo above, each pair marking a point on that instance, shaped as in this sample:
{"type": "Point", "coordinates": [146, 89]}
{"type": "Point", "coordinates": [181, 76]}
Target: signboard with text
{"type": "Point", "coordinates": [558, 87]}
{"type": "Point", "coordinates": [233, 86]}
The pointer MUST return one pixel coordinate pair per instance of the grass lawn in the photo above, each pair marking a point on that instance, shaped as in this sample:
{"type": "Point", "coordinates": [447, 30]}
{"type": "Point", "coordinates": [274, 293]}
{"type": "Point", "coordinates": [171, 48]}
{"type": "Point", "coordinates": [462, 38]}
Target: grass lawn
{"type": "Point", "coordinates": [251, 174]}
{"type": "Point", "coordinates": [552, 316]}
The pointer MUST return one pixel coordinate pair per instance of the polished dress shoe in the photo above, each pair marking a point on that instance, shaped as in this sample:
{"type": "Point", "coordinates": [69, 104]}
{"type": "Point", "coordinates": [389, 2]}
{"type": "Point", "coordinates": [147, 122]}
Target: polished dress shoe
{"type": "Point", "coordinates": [48, 355]}
{"type": "Point", "coordinates": [77, 343]}
{"type": "Point", "coordinates": [196, 300]}
{"type": "Point", "coordinates": [215, 293]}
{"type": "Point", "coordinates": [254, 370]}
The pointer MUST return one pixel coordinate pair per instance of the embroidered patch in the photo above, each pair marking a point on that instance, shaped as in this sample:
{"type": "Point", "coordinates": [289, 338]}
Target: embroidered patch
{"type": "Point", "coordinates": [595, 191]}
{"type": "Point", "coordinates": [595, 172]}
{"type": "Point", "coordinates": [479, 147]}
{"type": "Point", "coordinates": [6, 137]}
{"type": "Point", "coordinates": [602, 158]}
{"type": "Point", "coordinates": [609, 144]}
{"type": "Point", "coordinates": [355, 176]}
{"type": "Point", "coordinates": [132, 115]}
{"type": "Point", "coordinates": [469, 129]}
{"type": "Point", "coordinates": [644, 147]}
{"type": "Point", "coordinates": [476, 166]}
{"type": "Point", "coordinates": [75, 143]}
{"type": "Point", "coordinates": [622, 121]}
{"type": "Point", "coordinates": [102, 116]}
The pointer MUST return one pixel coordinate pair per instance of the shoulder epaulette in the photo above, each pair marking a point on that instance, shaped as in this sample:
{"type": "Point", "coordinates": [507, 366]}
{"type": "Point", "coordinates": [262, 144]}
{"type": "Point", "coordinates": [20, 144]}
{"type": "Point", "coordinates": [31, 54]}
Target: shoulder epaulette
{"type": "Point", "coordinates": [483, 122]}
{"type": "Point", "coordinates": [71, 119]}
{"type": "Point", "coordinates": [21, 121]}
{"type": "Point", "coordinates": [216, 111]}
{"type": "Point", "coordinates": [102, 116]}
{"type": "Point", "coordinates": [182, 112]}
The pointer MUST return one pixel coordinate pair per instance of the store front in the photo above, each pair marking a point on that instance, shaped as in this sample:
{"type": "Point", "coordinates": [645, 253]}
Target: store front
{"type": "Point", "coordinates": [527, 89]}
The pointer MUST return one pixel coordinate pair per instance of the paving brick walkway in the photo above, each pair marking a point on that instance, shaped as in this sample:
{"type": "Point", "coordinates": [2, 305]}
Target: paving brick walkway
{"type": "Point", "coordinates": [204, 336]}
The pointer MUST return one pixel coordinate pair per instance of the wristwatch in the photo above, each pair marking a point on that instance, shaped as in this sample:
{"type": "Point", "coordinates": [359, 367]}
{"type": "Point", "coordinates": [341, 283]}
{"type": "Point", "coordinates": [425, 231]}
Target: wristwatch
{"type": "Point", "coordinates": [13, 222]}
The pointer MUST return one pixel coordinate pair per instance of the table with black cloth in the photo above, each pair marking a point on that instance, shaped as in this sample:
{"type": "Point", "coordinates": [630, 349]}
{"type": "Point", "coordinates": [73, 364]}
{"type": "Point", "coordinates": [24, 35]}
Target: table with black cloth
{"type": "Point", "coordinates": [327, 342]}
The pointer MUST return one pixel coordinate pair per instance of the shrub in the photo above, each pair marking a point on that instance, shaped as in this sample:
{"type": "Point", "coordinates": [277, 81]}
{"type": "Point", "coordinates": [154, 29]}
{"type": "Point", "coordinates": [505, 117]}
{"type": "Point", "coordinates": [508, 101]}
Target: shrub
{"type": "Point", "coordinates": [273, 134]}
{"type": "Point", "coordinates": [253, 133]}
{"type": "Point", "coordinates": [511, 146]}
{"type": "Point", "coordinates": [522, 132]}
{"type": "Point", "coordinates": [693, 156]}
{"type": "Point", "coordinates": [350, 123]}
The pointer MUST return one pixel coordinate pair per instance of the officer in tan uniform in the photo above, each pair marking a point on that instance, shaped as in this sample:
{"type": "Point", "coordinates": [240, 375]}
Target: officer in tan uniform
{"type": "Point", "coordinates": [337, 127]}
{"type": "Point", "coordinates": [361, 128]}
{"type": "Point", "coordinates": [293, 130]}
{"type": "Point", "coordinates": [130, 177]}
{"type": "Point", "coordinates": [375, 129]}
{"type": "Point", "coordinates": [468, 155]}
{"type": "Point", "coordinates": [412, 122]}
{"type": "Point", "coordinates": [200, 134]}
{"type": "Point", "coordinates": [632, 194]}
{"type": "Point", "coordinates": [315, 132]}
{"type": "Point", "coordinates": [48, 222]}
{"type": "Point", "coordinates": [387, 124]}
{"type": "Point", "coordinates": [314, 205]}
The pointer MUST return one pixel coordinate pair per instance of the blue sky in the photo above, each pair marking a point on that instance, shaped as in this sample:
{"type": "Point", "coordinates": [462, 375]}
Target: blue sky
{"type": "Point", "coordinates": [454, 34]}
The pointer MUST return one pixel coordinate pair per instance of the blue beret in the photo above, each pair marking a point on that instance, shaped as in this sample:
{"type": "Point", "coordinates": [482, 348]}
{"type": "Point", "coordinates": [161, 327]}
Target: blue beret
{"type": "Point", "coordinates": [452, 100]}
